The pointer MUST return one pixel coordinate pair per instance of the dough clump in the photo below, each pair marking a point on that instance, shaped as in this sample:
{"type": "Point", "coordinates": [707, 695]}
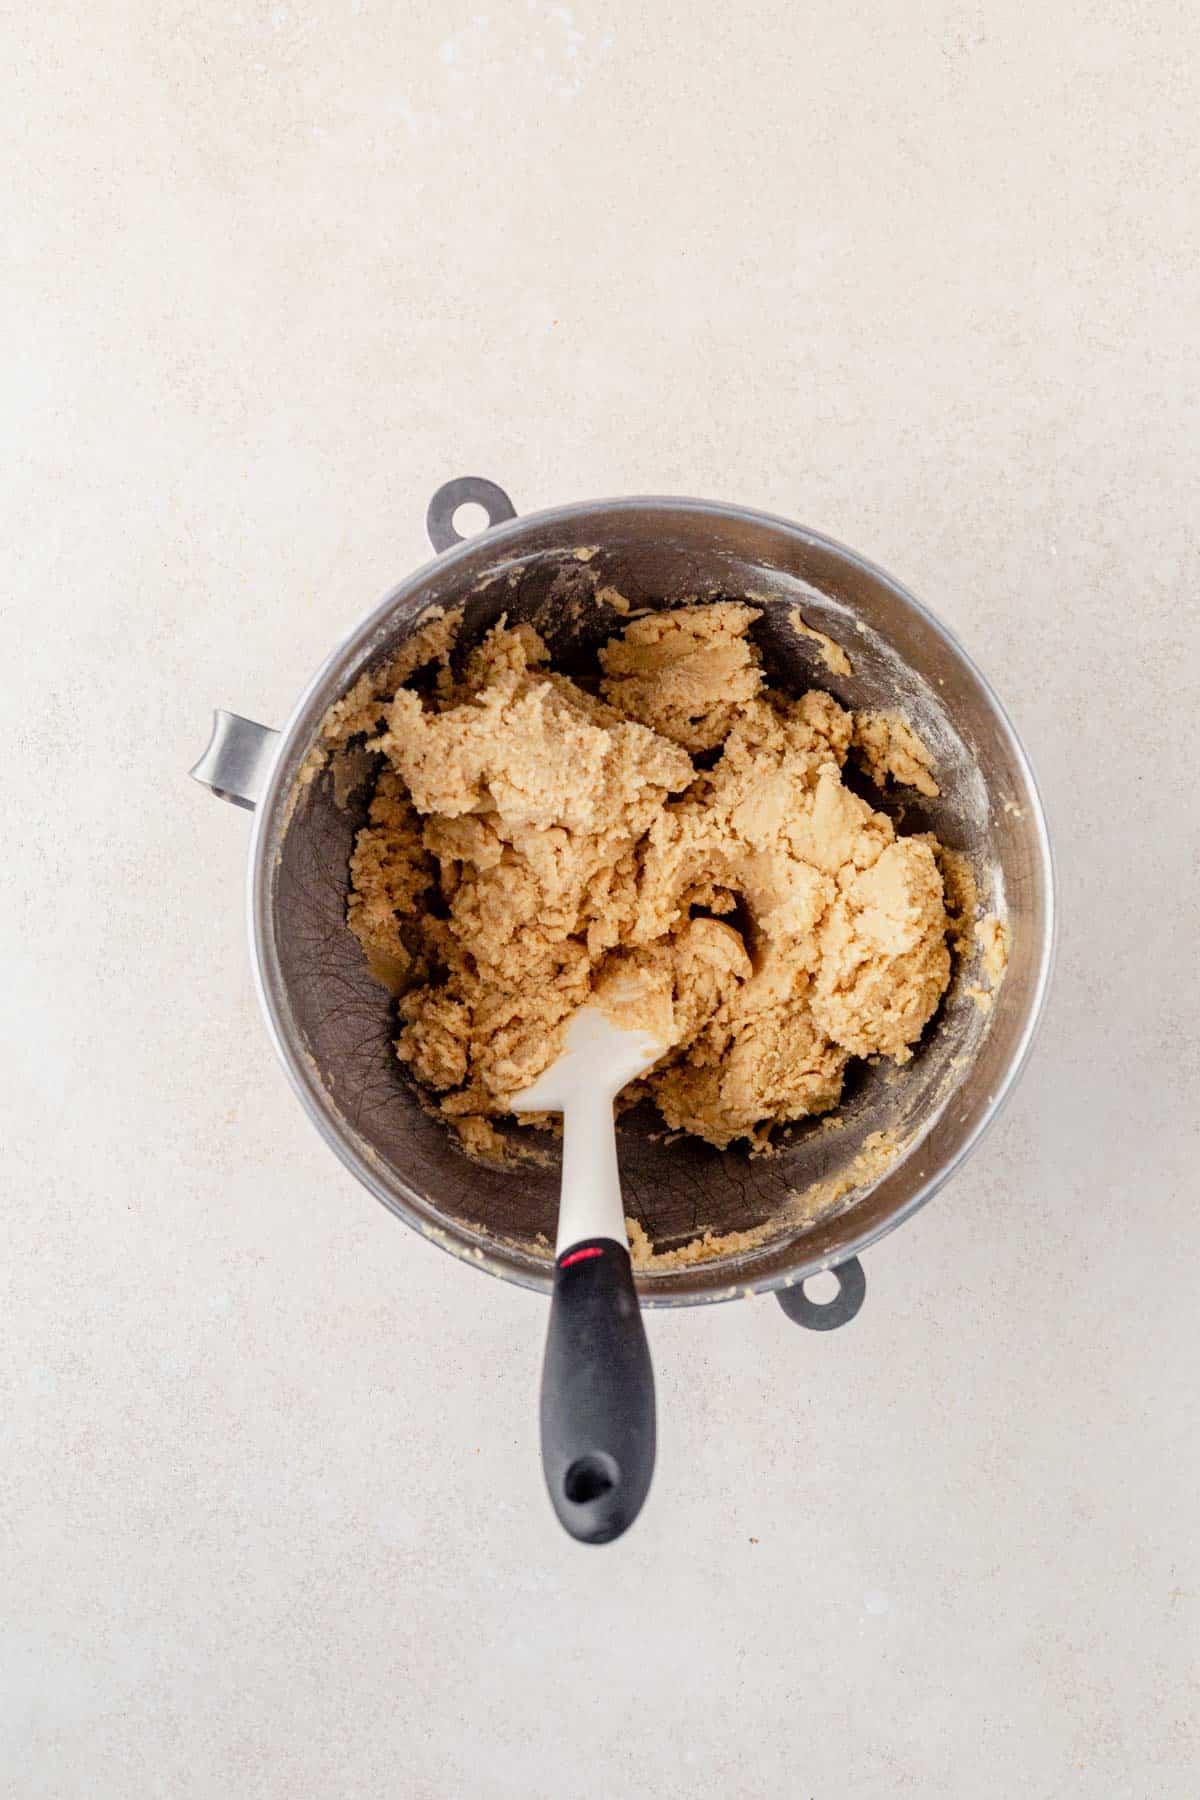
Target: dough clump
{"type": "Point", "coordinates": [889, 748]}
{"type": "Point", "coordinates": [532, 836]}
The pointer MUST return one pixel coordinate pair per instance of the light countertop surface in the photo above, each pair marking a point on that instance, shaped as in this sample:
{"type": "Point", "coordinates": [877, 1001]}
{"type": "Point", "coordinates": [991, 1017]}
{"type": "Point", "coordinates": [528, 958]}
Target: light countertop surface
{"type": "Point", "coordinates": [271, 1516]}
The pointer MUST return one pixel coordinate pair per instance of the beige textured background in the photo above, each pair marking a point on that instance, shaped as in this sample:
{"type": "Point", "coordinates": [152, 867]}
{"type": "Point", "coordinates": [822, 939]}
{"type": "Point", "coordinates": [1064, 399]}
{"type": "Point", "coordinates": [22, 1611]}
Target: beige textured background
{"type": "Point", "coordinates": [924, 276]}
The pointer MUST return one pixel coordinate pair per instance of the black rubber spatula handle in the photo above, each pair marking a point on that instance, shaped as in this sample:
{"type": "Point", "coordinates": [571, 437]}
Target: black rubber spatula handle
{"type": "Point", "coordinates": [598, 1431]}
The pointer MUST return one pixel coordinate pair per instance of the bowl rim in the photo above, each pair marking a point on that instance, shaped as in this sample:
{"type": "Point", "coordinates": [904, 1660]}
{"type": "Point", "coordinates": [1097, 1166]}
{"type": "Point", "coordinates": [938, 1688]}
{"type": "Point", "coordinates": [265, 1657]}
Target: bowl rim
{"type": "Point", "coordinates": [653, 1290]}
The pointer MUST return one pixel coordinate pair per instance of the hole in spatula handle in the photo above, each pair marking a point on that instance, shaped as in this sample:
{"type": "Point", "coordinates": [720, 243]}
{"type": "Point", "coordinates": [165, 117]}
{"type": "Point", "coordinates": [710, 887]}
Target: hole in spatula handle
{"type": "Point", "coordinates": [589, 1478]}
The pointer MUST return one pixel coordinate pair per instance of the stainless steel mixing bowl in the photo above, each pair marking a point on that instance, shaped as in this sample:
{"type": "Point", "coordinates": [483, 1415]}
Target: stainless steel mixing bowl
{"type": "Point", "coordinates": [333, 1026]}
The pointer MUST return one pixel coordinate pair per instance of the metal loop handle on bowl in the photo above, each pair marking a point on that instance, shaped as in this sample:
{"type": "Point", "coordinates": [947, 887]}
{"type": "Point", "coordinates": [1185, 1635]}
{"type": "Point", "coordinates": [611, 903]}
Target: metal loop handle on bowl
{"type": "Point", "coordinates": [238, 761]}
{"type": "Point", "coordinates": [464, 490]}
{"type": "Point", "coordinates": [815, 1316]}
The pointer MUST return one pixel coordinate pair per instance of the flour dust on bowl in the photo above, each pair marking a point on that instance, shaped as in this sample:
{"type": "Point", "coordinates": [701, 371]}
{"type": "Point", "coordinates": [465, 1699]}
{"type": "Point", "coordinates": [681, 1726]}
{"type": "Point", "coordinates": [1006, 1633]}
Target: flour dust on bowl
{"type": "Point", "coordinates": [721, 1222]}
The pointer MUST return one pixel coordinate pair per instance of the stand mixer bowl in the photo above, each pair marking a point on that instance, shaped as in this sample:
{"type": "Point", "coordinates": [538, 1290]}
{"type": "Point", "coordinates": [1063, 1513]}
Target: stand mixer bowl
{"type": "Point", "coordinates": [333, 1025]}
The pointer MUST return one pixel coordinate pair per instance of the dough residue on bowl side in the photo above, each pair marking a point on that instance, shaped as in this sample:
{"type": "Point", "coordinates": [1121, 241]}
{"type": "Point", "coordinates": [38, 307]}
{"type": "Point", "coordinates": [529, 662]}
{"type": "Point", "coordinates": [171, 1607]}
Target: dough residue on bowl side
{"type": "Point", "coordinates": [830, 651]}
{"type": "Point", "coordinates": [890, 750]}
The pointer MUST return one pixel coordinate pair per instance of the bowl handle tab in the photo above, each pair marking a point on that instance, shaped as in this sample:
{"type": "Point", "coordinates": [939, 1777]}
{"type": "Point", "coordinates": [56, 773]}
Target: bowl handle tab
{"type": "Point", "coordinates": [852, 1290]}
{"type": "Point", "coordinates": [464, 490]}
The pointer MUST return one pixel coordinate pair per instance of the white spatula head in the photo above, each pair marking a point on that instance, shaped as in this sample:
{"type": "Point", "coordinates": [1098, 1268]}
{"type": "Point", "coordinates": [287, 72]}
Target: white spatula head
{"type": "Point", "coordinates": [600, 1054]}
{"type": "Point", "coordinates": [598, 1057]}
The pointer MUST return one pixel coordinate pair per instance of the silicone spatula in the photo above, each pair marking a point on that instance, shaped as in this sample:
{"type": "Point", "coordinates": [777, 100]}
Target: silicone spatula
{"type": "Point", "coordinates": [597, 1406]}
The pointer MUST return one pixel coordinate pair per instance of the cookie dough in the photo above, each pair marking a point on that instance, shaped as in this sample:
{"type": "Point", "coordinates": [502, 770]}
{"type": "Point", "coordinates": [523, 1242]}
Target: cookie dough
{"type": "Point", "coordinates": [991, 934]}
{"type": "Point", "coordinates": [685, 673]}
{"type": "Point", "coordinates": [829, 650]}
{"type": "Point", "coordinates": [889, 748]}
{"type": "Point", "coordinates": [531, 835]}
